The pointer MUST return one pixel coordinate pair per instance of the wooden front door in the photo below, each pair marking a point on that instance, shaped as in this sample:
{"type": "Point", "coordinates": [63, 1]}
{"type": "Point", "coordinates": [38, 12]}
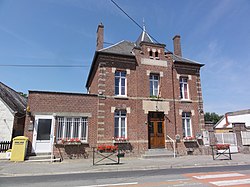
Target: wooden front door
{"type": "Point", "coordinates": [156, 133]}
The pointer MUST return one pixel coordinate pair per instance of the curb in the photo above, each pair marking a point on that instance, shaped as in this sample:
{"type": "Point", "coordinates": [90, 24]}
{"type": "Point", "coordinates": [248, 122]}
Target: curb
{"type": "Point", "coordinates": [103, 170]}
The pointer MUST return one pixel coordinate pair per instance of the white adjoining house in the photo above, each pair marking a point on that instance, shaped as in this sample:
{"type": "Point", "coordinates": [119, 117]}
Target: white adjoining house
{"type": "Point", "coordinates": [234, 129]}
{"type": "Point", "coordinates": [12, 113]}
{"type": "Point", "coordinates": [226, 123]}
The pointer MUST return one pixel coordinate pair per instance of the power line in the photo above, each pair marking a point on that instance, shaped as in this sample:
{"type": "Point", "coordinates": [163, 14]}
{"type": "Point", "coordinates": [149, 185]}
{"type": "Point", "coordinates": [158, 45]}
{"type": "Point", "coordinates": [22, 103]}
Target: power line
{"type": "Point", "coordinates": [135, 21]}
{"type": "Point", "coordinates": [42, 66]}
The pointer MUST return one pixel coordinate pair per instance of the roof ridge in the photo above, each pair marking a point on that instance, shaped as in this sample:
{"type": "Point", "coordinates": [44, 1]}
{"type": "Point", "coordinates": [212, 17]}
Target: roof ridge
{"type": "Point", "coordinates": [112, 45]}
{"type": "Point", "coordinates": [12, 97]}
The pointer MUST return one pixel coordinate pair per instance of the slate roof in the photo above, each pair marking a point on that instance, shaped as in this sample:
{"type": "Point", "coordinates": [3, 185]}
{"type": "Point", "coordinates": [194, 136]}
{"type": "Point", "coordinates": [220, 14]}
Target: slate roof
{"type": "Point", "coordinates": [144, 37]}
{"type": "Point", "coordinates": [122, 47]}
{"type": "Point", "coordinates": [14, 100]}
{"type": "Point", "coordinates": [177, 58]}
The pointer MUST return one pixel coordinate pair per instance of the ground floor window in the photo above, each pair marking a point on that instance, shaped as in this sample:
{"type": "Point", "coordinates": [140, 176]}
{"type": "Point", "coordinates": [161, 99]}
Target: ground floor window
{"type": "Point", "coordinates": [72, 128]}
{"type": "Point", "coordinates": [120, 124]}
{"type": "Point", "coordinates": [186, 124]}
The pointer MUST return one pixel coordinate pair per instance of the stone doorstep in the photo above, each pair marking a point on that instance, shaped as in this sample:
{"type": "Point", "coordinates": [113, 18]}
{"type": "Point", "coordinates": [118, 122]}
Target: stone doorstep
{"type": "Point", "coordinates": [41, 157]}
{"type": "Point", "coordinates": [158, 153]}
{"type": "Point", "coordinates": [44, 160]}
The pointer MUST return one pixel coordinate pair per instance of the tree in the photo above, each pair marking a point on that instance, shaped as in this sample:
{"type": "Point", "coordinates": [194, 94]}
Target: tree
{"type": "Point", "coordinates": [23, 94]}
{"type": "Point", "coordinates": [212, 117]}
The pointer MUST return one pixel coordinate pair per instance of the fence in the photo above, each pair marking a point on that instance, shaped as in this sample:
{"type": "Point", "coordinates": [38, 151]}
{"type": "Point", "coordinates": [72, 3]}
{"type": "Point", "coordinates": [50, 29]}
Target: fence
{"type": "Point", "coordinates": [4, 146]}
{"type": "Point", "coordinates": [245, 135]}
{"type": "Point", "coordinates": [227, 138]}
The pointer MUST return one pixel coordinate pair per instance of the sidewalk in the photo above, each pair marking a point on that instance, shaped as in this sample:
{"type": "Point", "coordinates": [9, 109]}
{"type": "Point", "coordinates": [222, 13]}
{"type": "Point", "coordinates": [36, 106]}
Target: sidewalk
{"type": "Point", "coordinates": [8, 168]}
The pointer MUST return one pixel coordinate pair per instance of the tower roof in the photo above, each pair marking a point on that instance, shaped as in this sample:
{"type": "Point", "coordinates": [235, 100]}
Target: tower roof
{"type": "Point", "coordinates": [144, 37]}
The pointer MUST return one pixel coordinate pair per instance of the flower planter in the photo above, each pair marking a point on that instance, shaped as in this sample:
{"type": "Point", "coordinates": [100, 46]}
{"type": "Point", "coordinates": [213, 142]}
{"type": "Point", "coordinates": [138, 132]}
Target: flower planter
{"type": "Point", "coordinates": [72, 143]}
{"type": "Point", "coordinates": [222, 146]}
{"type": "Point", "coordinates": [107, 148]}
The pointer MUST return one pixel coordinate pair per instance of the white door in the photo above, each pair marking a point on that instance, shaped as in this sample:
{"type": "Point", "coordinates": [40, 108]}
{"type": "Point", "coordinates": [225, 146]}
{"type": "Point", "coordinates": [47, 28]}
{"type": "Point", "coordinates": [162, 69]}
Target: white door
{"type": "Point", "coordinates": [43, 134]}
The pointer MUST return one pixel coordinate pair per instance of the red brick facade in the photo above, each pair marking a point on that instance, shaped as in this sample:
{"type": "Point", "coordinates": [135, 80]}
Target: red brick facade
{"type": "Point", "coordinates": [101, 102]}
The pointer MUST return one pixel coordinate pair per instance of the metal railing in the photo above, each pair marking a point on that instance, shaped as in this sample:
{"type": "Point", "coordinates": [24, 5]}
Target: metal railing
{"type": "Point", "coordinates": [173, 145]}
{"type": "Point", "coordinates": [4, 146]}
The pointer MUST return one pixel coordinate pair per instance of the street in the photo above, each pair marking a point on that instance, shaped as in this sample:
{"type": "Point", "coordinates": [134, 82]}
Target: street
{"type": "Point", "coordinates": [205, 176]}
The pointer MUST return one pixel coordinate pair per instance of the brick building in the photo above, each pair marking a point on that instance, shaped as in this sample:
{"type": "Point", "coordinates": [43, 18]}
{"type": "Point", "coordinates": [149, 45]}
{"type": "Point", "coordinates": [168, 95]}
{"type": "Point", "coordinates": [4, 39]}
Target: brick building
{"type": "Point", "coordinates": [139, 97]}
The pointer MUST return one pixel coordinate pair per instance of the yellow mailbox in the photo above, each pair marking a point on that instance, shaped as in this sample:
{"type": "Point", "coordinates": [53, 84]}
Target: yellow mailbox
{"type": "Point", "coordinates": [19, 148]}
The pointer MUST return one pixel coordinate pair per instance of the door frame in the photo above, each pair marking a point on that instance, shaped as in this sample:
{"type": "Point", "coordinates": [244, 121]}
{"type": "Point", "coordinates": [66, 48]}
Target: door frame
{"type": "Point", "coordinates": [51, 141]}
{"type": "Point", "coordinates": [161, 119]}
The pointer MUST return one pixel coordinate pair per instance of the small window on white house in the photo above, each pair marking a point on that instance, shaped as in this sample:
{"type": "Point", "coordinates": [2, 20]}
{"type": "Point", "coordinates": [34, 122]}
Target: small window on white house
{"type": "Point", "coordinates": [120, 83]}
{"type": "Point", "coordinates": [186, 124]}
{"type": "Point", "coordinates": [120, 130]}
{"type": "Point", "coordinates": [154, 84]}
{"type": "Point", "coordinates": [184, 88]}
{"type": "Point", "coordinates": [72, 128]}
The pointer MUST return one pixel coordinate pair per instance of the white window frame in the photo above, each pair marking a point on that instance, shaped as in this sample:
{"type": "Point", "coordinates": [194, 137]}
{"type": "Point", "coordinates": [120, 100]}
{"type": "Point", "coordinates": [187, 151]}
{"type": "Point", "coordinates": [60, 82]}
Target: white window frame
{"type": "Point", "coordinates": [153, 80]}
{"type": "Point", "coordinates": [185, 119]}
{"type": "Point", "coordinates": [119, 116]}
{"type": "Point", "coordinates": [62, 125]}
{"type": "Point", "coordinates": [120, 78]}
{"type": "Point", "coordinates": [183, 82]}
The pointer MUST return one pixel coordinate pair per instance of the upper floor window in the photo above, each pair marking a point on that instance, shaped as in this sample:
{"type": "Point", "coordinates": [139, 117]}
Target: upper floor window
{"type": "Point", "coordinates": [154, 84]}
{"type": "Point", "coordinates": [120, 83]}
{"type": "Point", "coordinates": [184, 88]}
{"type": "Point", "coordinates": [186, 124]}
{"type": "Point", "coordinates": [120, 124]}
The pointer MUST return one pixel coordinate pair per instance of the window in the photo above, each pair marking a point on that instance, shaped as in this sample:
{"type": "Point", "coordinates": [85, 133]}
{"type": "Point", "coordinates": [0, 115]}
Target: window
{"type": "Point", "coordinates": [151, 53]}
{"type": "Point", "coordinates": [154, 85]}
{"type": "Point", "coordinates": [156, 54]}
{"type": "Point", "coordinates": [186, 124]}
{"type": "Point", "coordinates": [120, 83]}
{"type": "Point", "coordinates": [72, 128]}
{"type": "Point", "coordinates": [184, 88]}
{"type": "Point", "coordinates": [120, 124]}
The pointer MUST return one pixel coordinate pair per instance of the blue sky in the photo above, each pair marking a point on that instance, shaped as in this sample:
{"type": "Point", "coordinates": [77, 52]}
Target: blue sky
{"type": "Point", "coordinates": [63, 32]}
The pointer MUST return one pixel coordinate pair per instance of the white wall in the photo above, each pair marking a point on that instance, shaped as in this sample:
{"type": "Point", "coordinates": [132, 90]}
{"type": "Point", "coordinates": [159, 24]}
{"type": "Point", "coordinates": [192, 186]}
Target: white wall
{"type": "Point", "coordinates": [6, 122]}
{"type": "Point", "coordinates": [243, 118]}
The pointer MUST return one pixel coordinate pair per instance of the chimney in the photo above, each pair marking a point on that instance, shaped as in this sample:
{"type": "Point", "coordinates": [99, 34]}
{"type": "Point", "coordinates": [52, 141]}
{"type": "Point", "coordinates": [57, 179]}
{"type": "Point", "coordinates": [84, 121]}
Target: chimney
{"type": "Point", "coordinates": [99, 40]}
{"type": "Point", "coordinates": [177, 45]}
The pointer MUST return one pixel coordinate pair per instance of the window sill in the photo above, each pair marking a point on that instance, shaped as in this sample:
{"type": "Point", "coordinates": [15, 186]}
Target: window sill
{"type": "Point", "coordinates": [186, 101]}
{"type": "Point", "coordinates": [71, 143]}
{"type": "Point", "coordinates": [121, 97]}
{"type": "Point", "coordinates": [155, 99]}
{"type": "Point", "coordinates": [120, 141]}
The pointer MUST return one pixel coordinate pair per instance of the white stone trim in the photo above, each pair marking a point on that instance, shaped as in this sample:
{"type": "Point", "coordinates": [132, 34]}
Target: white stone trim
{"type": "Point", "coordinates": [178, 76]}
{"type": "Point", "coordinates": [128, 110]}
{"type": "Point", "coordinates": [112, 109]}
{"type": "Point", "coordinates": [113, 70]}
{"type": "Point", "coordinates": [180, 112]}
{"type": "Point", "coordinates": [158, 106]}
{"type": "Point", "coordinates": [153, 62]}
{"type": "Point", "coordinates": [148, 72]}
{"type": "Point", "coordinates": [128, 71]}
{"type": "Point", "coordinates": [189, 77]}
{"type": "Point", "coordinates": [192, 112]}
{"type": "Point", "coordinates": [161, 74]}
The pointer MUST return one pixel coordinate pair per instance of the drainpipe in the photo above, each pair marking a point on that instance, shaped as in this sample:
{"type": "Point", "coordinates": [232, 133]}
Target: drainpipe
{"type": "Point", "coordinates": [226, 117]}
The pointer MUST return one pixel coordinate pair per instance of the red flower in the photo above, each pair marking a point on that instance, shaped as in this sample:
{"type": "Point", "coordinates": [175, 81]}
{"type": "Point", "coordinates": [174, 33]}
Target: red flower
{"type": "Point", "coordinates": [222, 146]}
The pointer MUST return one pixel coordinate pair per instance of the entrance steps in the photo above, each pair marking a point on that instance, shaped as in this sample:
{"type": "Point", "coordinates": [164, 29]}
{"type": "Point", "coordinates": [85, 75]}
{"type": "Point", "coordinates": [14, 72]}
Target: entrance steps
{"type": "Point", "coordinates": [158, 153]}
{"type": "Point", "coordinates": [42, 157]}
